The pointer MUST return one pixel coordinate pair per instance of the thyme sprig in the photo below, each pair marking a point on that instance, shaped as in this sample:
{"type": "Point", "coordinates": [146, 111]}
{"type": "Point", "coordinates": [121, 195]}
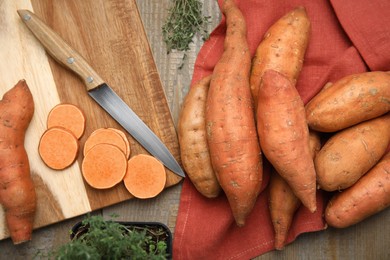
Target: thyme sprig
{"type": "Point", "coordinates": [185, 20]}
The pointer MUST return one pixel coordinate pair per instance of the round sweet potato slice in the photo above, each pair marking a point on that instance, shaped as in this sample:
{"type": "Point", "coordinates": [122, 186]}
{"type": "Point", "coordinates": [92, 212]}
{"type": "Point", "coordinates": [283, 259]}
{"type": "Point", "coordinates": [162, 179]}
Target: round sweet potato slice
{"type": "Point", "coordinates": [104, 166]}
{"type": "Point", "coordinates": [145, 177]}
{"type": "Point", "coordinates": [107, 136]}
{"type": "Point", "coordinates": [69, 117]}
{"type": "Point", "coordinates": [58, 148]}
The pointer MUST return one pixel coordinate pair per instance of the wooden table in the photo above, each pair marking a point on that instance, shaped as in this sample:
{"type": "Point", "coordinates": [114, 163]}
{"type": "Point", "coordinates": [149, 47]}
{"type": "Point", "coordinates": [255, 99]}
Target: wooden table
{"type": "Point", "coordinates": [363, 241]}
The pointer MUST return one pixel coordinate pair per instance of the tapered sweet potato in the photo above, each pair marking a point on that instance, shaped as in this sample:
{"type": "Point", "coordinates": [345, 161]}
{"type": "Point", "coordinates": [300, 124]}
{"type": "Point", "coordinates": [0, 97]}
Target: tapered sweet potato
{"type": "Point", "coordinates": [194, 149]}
{"type": "Point", "coordinates": [368, 196]}
{"type": "Point", "coordinates": [282, 204]}
{"type": "Point", "coordinates": [349, 101]}
{"type": "Point", "coordinates": [284, 135]}
{"type": "Point", "coordinates": [17, 191]}
{"type": "Point", "coordinates": [350, 153]}
{"type": "Point", "coordinates": [282, 201]}
{"type": "Point", "coordinates": [282, 49]}
{"type": "Point", "coordinates": [231, 130]}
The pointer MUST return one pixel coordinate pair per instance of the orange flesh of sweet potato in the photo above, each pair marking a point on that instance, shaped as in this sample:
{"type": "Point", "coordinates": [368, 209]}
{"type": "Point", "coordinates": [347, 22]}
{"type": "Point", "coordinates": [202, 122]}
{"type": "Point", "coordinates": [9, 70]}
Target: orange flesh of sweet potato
{"type": "Point", "coordinates": [194, 150]}
{"type": "Point", "coordinates": [69, 117]}
{"type": "Point", "coordinates": [104, 166]}
{"type": "Point", "coordinates": [284, 135]}
{"type": "Point", "coordinates": [282, 49]}
{"type": "Point", "coordinates": [58, 148]}
{"type": "Point", "coordinates": [124, 137]}
{"type": "Point", "coordinates": [354, 99]}
{"type": "Point", "coordinates": [350, 153]}
{"type": "Point", "coordinates": [145, 177]}
{"type": "Point", "coordinates": [17, 191]}
{"type": "Point", "coordinates": [368, 196]}
{"type": "Point", "coordinates": [105, 135]}
{"type": "Point", "coordinates": [231, 130]}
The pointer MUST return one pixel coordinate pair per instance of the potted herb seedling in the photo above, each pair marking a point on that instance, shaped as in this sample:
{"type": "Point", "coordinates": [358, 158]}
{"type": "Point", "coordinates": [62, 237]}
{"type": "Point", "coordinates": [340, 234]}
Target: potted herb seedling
{"type": "Point", "coordinates": [96, 238]}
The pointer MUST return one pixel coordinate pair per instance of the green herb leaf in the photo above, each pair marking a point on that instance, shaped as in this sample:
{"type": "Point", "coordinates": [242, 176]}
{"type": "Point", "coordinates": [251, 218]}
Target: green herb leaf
{"type": "Point", "coordinates": [184, 21]}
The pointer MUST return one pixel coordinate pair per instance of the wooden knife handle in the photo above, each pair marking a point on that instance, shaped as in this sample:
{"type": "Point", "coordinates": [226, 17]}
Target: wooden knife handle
{"type": "Point", "coordinates": [60, 50]}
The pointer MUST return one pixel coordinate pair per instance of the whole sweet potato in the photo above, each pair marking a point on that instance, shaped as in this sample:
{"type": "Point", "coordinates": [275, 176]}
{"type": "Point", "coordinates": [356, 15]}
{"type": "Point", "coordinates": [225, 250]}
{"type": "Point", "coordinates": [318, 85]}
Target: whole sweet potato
{"type": "Point", "coordinates": [349, 101]}
{"type": "Point", "coordinates": [230, 122]}
{"type": "Point", "coordinates": [282, 49]}
{"type": "Point", "coordinates": [17, 191]}
{"type": "Point", "coordinates": [192, 135]}
{"type": "Point", "coordinates": [282, 201]}
{"type": "Point", "coordinates": [350, 153]}
{"type": "Point", "coordinates": [284, 135]}
{"type": "Point", "coordinates": [368, 196]}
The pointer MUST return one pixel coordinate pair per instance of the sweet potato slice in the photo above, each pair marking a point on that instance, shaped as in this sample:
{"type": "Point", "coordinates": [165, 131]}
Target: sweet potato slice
{"type": "Point", "coordinates": [104, 166]}
{"type": "Point", "coordinates": [58, 148]}
{"type": "Point", "coordinates": [69, 117]}
{"type": "Point", "coordinates": [145, 177]}
{"type": "Point", "coordinates": [123, 135]}
{"type": "Point", "coordinates": [104, 135]}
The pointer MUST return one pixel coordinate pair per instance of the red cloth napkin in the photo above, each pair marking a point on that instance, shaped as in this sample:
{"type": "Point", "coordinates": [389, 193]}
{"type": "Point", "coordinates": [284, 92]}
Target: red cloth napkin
{"type": "Point", "coordinates": [348, 36]}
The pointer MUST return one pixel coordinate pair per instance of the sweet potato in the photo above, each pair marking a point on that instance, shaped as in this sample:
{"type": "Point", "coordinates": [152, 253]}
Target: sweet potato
{"type": "Point", "coordinates": [194, 149]}
{"type": "Point", "coordinates": [17, 191]}
{"type": "Point", "coordinates": [145, 176]}
{"type": "Point", "coordinates": [69, 117]}
{"type": "Point", "coordinates": [282, 49]}
{"type": "Point", "coordinates": [282, 201]}
{"type": "Point", "coordinates": [231, 130]}
{"type": "Point", "coordinates": [368, 196]}
{"type": "Point", "coordinates": [349, 101]}
{"type": "Point", "coordinates": [104, 166]}
{"type": "Point", "coordinates": [282, 204]}
{"type": "Point", "coordinates": [105, 135]}
{"type": "Point", "coordinates": [58, 148]}
{"type": "Point", "coordinates": [124, 137]}
{"type": "Point", "coordinates": [350, 153]}
{"type": "Point", "coordinates": [284, 135]}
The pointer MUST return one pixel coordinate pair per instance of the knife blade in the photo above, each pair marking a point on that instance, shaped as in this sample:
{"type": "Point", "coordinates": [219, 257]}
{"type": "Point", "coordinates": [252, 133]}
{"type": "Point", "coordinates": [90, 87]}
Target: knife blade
{"type": "Point", "coordinates": [99, 90]}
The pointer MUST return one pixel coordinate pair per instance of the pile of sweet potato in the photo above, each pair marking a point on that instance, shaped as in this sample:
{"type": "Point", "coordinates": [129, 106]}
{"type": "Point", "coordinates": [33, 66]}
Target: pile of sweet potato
{"type": "Point", "coordinates": [249, 110]}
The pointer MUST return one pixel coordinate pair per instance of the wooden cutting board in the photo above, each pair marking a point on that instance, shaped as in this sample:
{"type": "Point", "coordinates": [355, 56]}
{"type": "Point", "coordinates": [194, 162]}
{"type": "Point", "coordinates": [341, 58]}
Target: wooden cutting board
{"type": "Point", "coordinates": [110, 36]}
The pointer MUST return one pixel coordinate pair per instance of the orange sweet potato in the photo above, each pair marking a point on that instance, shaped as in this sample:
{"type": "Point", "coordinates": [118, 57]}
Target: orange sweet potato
{"type": "Point", "coordinates": [58, 148]}
{"type": "Point", "coordinates": [282, 204]}
{"type": "Point", "coordinates": [350, 153]}
{"type": "Point", "coordinates": [282, 49]}
{"type": "Point", "coordinates": [69, 117]}
{"type": "Point", "coordinates": [194, 149]}
{"type": "Point", "coordinates": [231, 130]}
{"type": "Point", "coordinates": [349, 101]}
{"type": "Point", "coordinates": [282, 201]}
{"type": "Point", "coordinates": [145, 176]}
{"type": "Point", "coordinates": [17, 191]}
{"type": "Point", "coordinates": [368, 196]}
{"type": "Point", "coordinates": [284, 135]}
{"type": "Point", "coordinates": [104, 166]}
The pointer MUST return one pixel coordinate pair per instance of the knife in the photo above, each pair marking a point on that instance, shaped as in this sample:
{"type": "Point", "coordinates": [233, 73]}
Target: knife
{"type": "Point", "coordinates": [99, 90]}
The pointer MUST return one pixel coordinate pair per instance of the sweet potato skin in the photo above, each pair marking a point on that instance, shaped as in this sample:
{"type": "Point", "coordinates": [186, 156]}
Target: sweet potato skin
{"type": "Point", "coordinates": [284, 135]}
{"type": "Point", "coordinates": [194, 150]}
{"type": "Point", "coordinates": [350, 153]}
{"type": "Point", "coordinates": [17, 191]}
{"type": "Point", "coordinates": [230, 123]}
{"type": "Point", "coordinates": [283, 204]}
{"type": "Point", "coordinates": [368, 196]}
{"type": "Point", "coordinates": [354, 99]}
{"type": "Point", "coordinates": [282, 49]}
